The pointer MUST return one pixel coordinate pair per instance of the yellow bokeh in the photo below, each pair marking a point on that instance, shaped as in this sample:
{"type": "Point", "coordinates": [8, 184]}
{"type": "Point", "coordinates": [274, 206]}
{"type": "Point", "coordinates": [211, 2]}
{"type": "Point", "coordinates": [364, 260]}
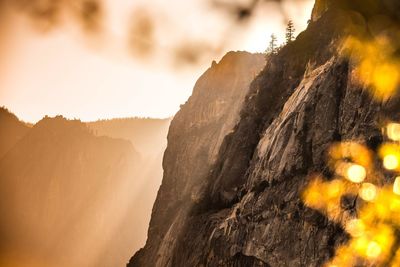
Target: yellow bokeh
{"type": "Point", "coordinates": [385, 78]}
{"type": "Point", "coordinates": [325, 196]}
{"type": "Point", "coordinates": [356, 152]}
{"type": "Point", "coordinates": [375, 240]}
{"type": "Point", "coordinates": [390, 154]}
{"type": "Point", "coordinates": [368, 192]}
{"type": "Point", "coordinates": [396, 185]}
{"type": "Point", "coordinates": [373, 230]}
{"type": "Point", "coordinates": [355, 227]}
{"type": "Point", "coordinates": [373, 250]}
{"type": "Point", "coordinates": [391, 162]}
{"type": "Point", "coordinates": [376, 67]}
{"type": "Point", "coordinates": [344, 257]}
{"type": "Point", "coordinates": [355, 173]}
{"type": "Point", "coordinates": [393, 131]}
{"type": "Point", "coordinates": [374, 222]}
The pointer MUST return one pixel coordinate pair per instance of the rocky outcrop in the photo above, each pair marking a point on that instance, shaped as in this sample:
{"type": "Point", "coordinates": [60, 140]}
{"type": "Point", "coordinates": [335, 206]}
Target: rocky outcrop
{"type": "Point", "coordinates": [194, 139]}
{"type": "Point", "coordinates": [248, 211]}
{"type": "Point", "coordinates": [369, 9]}
{"type": "Point", "coordinates": [268, 225]}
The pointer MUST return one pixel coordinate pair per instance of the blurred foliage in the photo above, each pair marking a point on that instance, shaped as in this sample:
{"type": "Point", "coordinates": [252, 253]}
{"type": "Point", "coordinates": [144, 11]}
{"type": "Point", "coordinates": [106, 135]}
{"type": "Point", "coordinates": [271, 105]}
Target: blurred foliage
{"type": "Point", "coordinates": [240, 10]}
{"type": "Point", "coordinates": [46, 14]}
{"type": "Point", "coordinates": [142, 29]}
{"type": "Point", "coordinates": [374, 227]}
{"type": "Point", "coordinates": [141, 33]}
{"type": "Point", "coordinates": [370, 179]}
{"type": "Point", "coordinates": [377, 66]}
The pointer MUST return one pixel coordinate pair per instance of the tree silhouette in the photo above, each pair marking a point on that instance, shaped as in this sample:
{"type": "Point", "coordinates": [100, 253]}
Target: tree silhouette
{"type": "Point", "coordinates": [290, 32]}
{"type": "Point", "coordinates": [272, 47]}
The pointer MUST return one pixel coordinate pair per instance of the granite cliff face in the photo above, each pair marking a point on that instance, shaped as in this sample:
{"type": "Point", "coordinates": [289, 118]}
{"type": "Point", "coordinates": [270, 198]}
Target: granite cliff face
{"type": "Point", "coordinates": [194, 139]}
{"type": "Point", "coordinates": [244, 208]}
{"type": "Point", "coordinates": [367, 8]}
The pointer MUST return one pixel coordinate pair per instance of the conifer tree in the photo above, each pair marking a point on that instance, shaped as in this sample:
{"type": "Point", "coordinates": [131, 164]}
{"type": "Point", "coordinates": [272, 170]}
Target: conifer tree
{"type": "Point", "coordinates": [272, 46]}
{"type": "Point", "coordinates": [290, 32]}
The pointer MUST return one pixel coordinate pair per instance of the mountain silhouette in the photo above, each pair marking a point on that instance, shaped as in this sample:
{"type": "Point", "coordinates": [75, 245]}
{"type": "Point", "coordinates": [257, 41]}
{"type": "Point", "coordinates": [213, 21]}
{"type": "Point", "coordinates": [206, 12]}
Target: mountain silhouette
{"type": "Point", "coordinates": [12, 130]}
{"type": "Point", "coordinates": [72, 198]}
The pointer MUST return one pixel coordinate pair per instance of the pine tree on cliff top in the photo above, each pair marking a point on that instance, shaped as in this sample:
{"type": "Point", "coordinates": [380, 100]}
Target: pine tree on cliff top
{"type": "Point", "coordinates": [272, 46]}
{"type": "Point", "coordinates": [290, 32]}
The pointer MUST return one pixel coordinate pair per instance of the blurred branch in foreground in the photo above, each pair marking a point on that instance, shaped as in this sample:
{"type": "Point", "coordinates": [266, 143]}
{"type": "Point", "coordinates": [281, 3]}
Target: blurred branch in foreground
{"type": "Point", "coordinates": [47, 14]}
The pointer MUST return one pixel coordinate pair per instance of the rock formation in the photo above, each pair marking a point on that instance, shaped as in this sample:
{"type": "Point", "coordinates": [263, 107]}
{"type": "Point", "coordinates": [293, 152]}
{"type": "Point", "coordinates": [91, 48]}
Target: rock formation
{"type": "Point", "coordinates": [194, 139]}
{"type": "Point", "coordinates": [232, 196]}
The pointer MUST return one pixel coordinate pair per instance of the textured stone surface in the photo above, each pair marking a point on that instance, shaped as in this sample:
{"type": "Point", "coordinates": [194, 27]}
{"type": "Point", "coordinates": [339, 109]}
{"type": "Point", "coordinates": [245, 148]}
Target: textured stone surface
{"type": "Point", "coordinates": [249, 211]}
{"type": "Point", "coordinates": [368, 8]}
{"type": "Point", "coordinates": [194, 139]}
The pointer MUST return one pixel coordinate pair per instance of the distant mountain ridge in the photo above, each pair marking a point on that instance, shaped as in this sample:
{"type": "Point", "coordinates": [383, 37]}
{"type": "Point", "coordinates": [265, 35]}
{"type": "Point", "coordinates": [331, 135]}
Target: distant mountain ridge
{"type": "Point", "coordinates": [12, 130]}
{"type": "Point", "coordinates": [143, 133]}
{"type": "Point", "coordinates": [74, 198]}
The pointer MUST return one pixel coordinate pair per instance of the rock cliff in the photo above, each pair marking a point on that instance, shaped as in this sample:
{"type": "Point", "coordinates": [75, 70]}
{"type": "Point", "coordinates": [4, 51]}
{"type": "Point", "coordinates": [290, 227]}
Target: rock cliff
{"type": "Point", "coordinates": [244, 207]}
{"type": "Point", "coordinates": [194, 139]}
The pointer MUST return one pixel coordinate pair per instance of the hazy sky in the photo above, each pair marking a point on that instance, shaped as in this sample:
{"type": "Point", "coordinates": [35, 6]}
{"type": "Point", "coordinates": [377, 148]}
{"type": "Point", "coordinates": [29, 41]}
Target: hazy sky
{"type": "Point", "coordinates": [66, 72]}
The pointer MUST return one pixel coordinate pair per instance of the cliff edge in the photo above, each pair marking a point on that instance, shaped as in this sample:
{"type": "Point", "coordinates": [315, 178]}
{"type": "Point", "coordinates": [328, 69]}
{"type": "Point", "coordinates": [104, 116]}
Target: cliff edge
{"type": "Point", "coordinates": [244, 207]}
